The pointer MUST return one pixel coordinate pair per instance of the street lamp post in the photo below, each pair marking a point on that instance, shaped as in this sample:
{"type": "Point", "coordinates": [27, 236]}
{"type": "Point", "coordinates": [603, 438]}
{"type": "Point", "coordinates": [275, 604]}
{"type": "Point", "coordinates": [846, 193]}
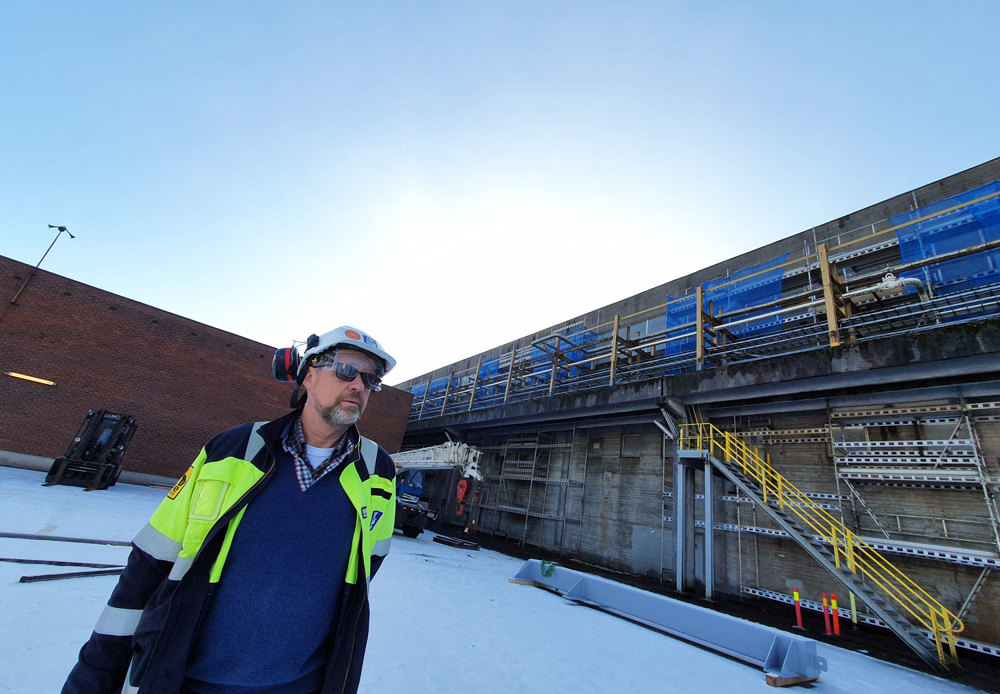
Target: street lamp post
{"type": "Point", "coordinates": [59, 233]}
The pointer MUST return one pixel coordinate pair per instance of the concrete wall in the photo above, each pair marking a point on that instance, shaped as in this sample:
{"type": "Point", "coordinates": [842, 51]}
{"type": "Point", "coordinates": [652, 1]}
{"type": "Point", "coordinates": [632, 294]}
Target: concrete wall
{"type": "Point", "coordinates": [182, 381]}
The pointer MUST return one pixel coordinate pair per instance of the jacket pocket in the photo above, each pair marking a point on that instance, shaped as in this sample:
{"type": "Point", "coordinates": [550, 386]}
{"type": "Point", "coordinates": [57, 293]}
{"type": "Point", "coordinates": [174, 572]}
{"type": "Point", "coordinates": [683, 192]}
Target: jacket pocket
{"type": "Point", "coordinates": [208, 500]}
{"type": "Point", "coordinates": [208, 504]}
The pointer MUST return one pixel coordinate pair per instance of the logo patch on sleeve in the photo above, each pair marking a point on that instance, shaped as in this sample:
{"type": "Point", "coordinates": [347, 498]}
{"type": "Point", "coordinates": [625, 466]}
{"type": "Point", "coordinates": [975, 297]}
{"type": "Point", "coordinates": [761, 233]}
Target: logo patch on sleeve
{"type": "Point", "coordinates": [375, 517]}
{"type": "Point", "coordinates": [180, 484]}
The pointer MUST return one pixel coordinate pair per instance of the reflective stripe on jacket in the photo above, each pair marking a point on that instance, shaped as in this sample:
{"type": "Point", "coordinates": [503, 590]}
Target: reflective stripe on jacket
{"type": "Point", "coordinates": [148, 625]}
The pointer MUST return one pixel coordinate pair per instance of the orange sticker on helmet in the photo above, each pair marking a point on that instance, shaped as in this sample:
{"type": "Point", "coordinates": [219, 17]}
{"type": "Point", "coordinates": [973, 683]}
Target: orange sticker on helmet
{"type": "Point", "coordinates": [351, 334]}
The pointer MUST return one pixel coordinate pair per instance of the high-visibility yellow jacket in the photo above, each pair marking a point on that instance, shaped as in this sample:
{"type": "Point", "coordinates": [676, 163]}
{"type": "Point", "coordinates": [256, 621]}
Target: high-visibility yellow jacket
{"type": "Point", "coordinates": [142, 639]}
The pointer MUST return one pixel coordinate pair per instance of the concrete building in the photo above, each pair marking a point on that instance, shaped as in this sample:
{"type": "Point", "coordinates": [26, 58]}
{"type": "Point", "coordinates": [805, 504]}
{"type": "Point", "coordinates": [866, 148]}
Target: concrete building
{"type": "Point", "coordinates": [839, 388]}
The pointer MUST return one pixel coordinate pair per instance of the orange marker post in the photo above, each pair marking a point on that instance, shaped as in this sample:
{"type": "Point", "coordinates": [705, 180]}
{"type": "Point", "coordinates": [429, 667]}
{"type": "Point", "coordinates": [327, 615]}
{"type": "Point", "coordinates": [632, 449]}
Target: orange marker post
{"type": "Point", "coordinates": [798, 608]}
{"type": "Point", "coordinates": [826, 615]}
{"type": "Point", "coordinates": [836, 615]}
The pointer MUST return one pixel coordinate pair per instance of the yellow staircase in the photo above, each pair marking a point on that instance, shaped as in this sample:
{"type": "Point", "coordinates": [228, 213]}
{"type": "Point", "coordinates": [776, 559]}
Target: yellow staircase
{"type": "Point", "coordinates": [903, 605]}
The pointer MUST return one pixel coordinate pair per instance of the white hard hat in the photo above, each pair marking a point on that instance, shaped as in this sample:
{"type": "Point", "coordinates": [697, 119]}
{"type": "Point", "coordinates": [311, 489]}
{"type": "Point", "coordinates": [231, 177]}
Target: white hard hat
{"type": "Point", "coordinates": [350, 338]}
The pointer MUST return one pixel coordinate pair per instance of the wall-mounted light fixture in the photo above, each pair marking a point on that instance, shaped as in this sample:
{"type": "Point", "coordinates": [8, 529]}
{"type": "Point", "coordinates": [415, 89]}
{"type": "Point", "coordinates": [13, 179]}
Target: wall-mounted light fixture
{"type": "Point", "coordinates": [33, 379]}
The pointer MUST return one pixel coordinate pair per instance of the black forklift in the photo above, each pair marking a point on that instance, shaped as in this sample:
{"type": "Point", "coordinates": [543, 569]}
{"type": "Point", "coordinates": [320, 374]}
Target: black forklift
{"type": "Point", "coordinates": [94, 459]}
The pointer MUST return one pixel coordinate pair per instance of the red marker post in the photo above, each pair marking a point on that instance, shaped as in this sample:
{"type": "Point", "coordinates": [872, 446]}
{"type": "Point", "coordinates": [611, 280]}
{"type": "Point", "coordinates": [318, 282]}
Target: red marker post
{"type": "Point", "coordinates": [826, 615]}
{"type": "Point", "coordinates": [798, 609]}
{"type": "Point", "coordinates": [836, 614]}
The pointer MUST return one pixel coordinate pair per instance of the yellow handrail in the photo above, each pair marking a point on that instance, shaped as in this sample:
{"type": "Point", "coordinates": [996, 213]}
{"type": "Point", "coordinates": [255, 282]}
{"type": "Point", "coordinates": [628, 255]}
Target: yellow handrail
{"type": "Point", "coordinates": [860, 557]}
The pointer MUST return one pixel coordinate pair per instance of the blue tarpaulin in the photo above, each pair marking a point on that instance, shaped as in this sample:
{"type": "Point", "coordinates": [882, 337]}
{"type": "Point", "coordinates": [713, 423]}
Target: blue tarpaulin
{"type": "Point", "coordinates": [942, 229]}
{"type": "Point", "coordinates": [750, 286]}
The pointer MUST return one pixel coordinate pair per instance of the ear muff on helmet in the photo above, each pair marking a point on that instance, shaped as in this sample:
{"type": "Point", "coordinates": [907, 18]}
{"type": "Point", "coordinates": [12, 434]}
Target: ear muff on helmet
{"type": "Point", "coordinates": [285, 369]}
{"type": "Point", "coordinates": [285, 365]}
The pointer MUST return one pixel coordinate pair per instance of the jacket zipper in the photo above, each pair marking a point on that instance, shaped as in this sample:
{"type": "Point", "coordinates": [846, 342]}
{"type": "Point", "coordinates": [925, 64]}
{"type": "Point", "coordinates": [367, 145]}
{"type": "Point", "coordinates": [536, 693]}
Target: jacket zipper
{"type": "Point", "coordinates": [253, 491]}
{"type": "Point", "coordinates": [361, 566]}
{"type": "Point", "coordinates": [234, 509]}
{"type": "Point", "coordinates": [357, 620]}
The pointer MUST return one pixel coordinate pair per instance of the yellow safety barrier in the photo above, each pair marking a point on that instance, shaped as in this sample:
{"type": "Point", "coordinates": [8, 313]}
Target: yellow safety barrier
{"type": "Point", "coordinates": [860, 558]}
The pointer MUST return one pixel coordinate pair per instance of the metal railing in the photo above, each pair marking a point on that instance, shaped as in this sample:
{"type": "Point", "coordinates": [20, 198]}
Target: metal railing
{"type": "Point", "coordinates": [860, 558]}
{"type": "Point", "coordinates": [519, 375]}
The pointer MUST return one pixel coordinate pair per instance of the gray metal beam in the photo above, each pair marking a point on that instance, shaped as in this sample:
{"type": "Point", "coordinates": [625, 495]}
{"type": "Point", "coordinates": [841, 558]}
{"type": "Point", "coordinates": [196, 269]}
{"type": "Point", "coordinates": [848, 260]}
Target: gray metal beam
{"type": "Point", "coordinates": [980, 364]}
{"type": "Point", "coordinates": [690, 569]}
{"type": "Point", "coordinates": [781, 655]}
{"type": "Point", "coordinates": [985, 389]}
{"type": "Point", "coordinates": [709, 526]}
{"type": "Point", "coordinates": [680, 524]}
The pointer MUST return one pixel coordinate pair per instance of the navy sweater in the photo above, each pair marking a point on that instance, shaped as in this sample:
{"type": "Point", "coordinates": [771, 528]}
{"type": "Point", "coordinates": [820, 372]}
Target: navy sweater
{"type": "Point", "coordinates": [266, 628]}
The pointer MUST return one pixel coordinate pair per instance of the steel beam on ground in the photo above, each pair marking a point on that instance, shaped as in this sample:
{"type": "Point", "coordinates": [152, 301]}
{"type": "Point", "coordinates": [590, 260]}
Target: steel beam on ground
{"type": "Point", "coordinates": [781, 655]}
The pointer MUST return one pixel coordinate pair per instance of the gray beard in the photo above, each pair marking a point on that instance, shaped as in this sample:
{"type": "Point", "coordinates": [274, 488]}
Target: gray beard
{"type": "Point", "coordinates": [337, 417]}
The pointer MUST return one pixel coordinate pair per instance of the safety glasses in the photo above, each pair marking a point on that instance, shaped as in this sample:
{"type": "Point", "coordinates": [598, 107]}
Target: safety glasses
{"type": "Point", "coordinates": [348, 372]}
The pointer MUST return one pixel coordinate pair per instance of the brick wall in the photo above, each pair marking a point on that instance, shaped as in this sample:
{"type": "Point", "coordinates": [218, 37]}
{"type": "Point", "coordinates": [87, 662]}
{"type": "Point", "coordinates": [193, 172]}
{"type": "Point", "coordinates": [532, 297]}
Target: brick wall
{"type": "Point", "coordinates": [181, 380]}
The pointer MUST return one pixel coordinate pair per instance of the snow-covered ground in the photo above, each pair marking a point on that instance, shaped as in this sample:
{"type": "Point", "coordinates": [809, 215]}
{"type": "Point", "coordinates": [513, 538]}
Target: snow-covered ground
{"type": "Point", "coordinates": [443, 619]}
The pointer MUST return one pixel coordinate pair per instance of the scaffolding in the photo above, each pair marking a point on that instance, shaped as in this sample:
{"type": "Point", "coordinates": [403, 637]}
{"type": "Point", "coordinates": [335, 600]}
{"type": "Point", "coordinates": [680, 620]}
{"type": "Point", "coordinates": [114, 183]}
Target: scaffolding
{"type": "Point", "coordinates": [527, 475]}
{"type": "Point", "coordinates": [931, 446]}
{"type": "Point", "coordinates": [923, 446]}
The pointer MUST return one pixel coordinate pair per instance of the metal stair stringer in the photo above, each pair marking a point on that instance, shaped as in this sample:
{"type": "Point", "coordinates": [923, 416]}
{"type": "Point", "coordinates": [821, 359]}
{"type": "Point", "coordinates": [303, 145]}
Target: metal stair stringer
{"type": "Point", "coordinates": [911, 635]}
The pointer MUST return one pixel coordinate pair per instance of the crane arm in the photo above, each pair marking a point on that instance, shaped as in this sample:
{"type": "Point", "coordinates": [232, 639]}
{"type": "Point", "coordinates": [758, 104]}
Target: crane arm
{"type": "Point", "coordinates": [446, 456]}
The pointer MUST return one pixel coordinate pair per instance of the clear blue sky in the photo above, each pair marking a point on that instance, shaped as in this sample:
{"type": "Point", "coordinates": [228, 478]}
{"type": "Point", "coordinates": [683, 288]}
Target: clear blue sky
{"type": "Point", "coordinates": [453, 175]}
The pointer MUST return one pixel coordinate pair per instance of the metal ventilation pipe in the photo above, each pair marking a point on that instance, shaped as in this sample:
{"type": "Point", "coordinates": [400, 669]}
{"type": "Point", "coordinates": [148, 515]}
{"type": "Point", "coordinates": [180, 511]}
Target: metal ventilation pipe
{"type": "Point", "coordinates": [891, 283]}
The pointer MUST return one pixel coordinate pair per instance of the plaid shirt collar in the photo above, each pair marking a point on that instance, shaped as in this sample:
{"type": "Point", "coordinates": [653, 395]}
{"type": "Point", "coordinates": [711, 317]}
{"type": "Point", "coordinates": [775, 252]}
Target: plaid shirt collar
{"type": "Point", "coordinates": [294, 443]}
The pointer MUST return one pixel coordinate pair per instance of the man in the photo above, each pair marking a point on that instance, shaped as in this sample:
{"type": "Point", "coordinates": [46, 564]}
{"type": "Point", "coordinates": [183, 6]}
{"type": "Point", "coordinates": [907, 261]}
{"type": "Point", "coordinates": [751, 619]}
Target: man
{"type": "Point", "coordinates": [252, 575]}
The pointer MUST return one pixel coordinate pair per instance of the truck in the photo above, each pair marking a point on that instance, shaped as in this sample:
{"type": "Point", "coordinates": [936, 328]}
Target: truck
{"type": "Point", "coordinates": [412, 514]}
